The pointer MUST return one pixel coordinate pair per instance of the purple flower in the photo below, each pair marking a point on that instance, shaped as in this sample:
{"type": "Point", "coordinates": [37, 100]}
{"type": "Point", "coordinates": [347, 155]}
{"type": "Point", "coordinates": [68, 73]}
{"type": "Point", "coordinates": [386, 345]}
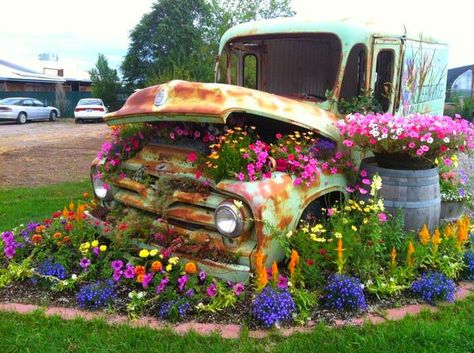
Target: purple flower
{"type": "Point", "coordinates": [462, 193]}
{"type": "Point", "coordinates": [8, 238]}
{"type": "Point", "coordinates": [117, 275]}
{"type": "Point", "coordinates": [202, 276]}
{"type": "Point", "coordinates": [129, 271]}
{"type": "Point", "coordinates": [212, 290]}
{"type": "Point", "coordinates": [10, 251]}
{"type": "Point", "coordinates": [85, 263]}
{"type": "Point", "coordinates": [161, 287]}
{"type": "Point", "coordinates": [117, 265]}
{"type": "Point", "coordinates": [238, 288]}
{"type": "Point", "coordinates": [147, 279]}
{"type": "Point", "coordinates": [282, 282]}
{"type": "Point", "coordinates": [182, 282]}
{"type": "Point", "coordinates": [190, 292]}
{"type": "Point", "coordinates": [96, 251]}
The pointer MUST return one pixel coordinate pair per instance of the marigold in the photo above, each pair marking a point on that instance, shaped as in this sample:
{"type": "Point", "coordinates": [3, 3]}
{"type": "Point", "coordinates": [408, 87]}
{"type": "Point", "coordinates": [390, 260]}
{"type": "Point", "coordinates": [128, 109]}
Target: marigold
{"type": "Point", "coordinates": [140, 270]}
{"type": "Point", "coordinates": [57, 235]}
{"type": "Point", "coordinates": [95, 243]}
{"type": "Point", "coordinates": [424, 235]}
{"type": "Point", "coordinates": [39, 229]}
{"type": "Point", "coordinates": [85, 195]}
{"type": "Point", "coordinates": [140, 277]}
{"type": "Point", "coordinates": [103, 248]}
{"type": "Point", "coordinates": [36, 239]}
{"type": "Point", "coordinates": [156, 266]}
{"type": "Point", "coordinates": [190, 267]}
{"type": "Point", "coordinates": [59, 243]}
{"type": "Point", "coordinates": [144, 253]}
{"type": "Point", "coordinates": [67, 239]}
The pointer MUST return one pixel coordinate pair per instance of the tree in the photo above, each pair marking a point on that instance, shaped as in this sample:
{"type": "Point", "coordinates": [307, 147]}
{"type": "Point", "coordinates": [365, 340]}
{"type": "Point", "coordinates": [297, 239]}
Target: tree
{"type": "Point", "coordinates": [105, 83]}
{"type": "Point", "coordinates": [179, 38]}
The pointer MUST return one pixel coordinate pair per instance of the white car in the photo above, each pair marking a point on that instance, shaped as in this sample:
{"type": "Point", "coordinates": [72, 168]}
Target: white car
{"type": "Point", "coordinates": [22, 109]}
{"type": "Point", "coordinates": [89, 109]}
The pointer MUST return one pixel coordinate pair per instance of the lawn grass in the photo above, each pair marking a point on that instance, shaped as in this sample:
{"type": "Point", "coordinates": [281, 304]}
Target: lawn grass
{"type": "Point", "coordinates": [22, 205]}
{"type": "Point", "coordinates": [451, 329]}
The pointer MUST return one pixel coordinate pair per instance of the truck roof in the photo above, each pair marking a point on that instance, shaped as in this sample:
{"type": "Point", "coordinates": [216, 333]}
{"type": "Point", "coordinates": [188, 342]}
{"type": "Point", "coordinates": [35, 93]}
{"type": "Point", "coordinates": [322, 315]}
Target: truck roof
{"type": "Point", "coordinates": [350, 30]}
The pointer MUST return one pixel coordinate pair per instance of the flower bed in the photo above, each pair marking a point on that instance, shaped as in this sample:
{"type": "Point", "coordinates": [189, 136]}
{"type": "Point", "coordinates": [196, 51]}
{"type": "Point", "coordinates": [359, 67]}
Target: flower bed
{"type": "Point", "coordinates": [358, 258]}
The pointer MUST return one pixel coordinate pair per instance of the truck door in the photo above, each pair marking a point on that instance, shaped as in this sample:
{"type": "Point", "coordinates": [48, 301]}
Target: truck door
{"type": "Point", "coordinates": [385, 72]}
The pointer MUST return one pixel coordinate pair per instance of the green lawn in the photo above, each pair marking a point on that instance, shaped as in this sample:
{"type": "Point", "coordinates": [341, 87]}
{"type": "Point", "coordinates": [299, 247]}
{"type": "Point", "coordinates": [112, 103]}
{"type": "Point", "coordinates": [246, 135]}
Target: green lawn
{"type": "Point", "coordinates": [22, 205]}
{"type": "Point", "coordinates": [449, 330]}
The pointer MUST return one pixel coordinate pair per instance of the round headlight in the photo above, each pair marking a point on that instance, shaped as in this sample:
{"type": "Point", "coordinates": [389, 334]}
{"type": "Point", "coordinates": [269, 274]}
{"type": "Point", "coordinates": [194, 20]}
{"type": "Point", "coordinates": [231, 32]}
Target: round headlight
{"type": "Point", "coordinates": [230, 220]}
{"type": "Point", "coordinates": [101, 190]}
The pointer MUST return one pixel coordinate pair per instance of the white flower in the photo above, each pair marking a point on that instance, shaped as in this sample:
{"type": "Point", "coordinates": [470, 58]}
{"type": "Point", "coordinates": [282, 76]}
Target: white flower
{"type": "Point", "coordinates": [429, 140]}
{"type": "Point", "coordinates": [446, 140]}
{"type": "Point", "coordinates": [73, 276]}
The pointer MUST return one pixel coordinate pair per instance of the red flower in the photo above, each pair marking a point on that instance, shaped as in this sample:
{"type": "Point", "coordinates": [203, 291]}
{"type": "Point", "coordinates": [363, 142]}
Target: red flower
{"type": "Point", "coordinates": [281, 165]}
{"type": "Point", "coordinates": [123, 226]}
{"type": "Point", "coordinates": [310, 262]}
{"type": "Point", "coordinates": [57, 214]}
{"type": "Point", "coordinates": [68, 227]}
{"type": "Point", "coordinates": [192, 156]}
{"type": "Point", "coordinates": [322, 252]}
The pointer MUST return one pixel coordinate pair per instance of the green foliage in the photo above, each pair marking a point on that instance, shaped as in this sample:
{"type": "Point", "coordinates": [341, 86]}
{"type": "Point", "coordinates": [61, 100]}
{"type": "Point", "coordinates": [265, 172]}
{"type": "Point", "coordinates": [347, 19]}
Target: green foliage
{"type": "Point", "coordinates": [16, 271]}
{"type": "Point", "coordinates": [224, 299]}
{"type": "Point", "coordinates": [105, 83]}
{"type": "Point", "coordinates": [305, 302]}
{"type": "Point", "coordinates": [179, 40]}
{"type": "Point", "coordinates": [363, 103]}
{"type": "Point", "coordinates": [464, 106]}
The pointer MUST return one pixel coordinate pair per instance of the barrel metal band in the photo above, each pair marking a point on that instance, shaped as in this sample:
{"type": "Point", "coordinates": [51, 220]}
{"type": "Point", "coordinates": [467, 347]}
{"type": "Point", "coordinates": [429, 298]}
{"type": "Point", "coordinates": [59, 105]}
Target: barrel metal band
{"type": "Point", "coordinates": [411, 204]}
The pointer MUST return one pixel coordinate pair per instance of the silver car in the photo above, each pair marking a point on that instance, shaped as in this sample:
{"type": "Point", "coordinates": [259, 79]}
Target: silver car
{"type": "Point", "coordinates": [22, 109]}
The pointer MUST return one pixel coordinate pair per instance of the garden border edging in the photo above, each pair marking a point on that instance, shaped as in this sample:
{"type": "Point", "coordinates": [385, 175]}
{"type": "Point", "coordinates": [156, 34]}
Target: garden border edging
{"type": "Point", "coordinates": [227, 330]}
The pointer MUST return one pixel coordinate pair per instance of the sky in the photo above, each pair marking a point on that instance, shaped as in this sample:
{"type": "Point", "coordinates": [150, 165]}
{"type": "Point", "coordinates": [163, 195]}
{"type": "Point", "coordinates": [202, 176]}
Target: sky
{"type": "Point", "coordinates": [77, 31]}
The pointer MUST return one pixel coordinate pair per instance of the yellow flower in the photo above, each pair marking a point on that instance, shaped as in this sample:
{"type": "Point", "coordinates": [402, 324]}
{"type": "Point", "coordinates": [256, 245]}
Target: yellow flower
{"type": "Point", "coordinates": [71, 206]}
{"type": "Point", "coordinates": [393, 257]}
{"type": "Point", "coordinates": [376, 184]}
{"type": "Point", "coordinates": [424, 235]}
{"type": "Point", "coordinates": [168, 267]}
{"type": "Point", "coordinates": [153, 252]}
{"type": "Point", "coordinates": [365, 221]}
{"type": "Point", "coordinates": [411, 251]}
{"type": "Point", "coordinates": [338, 235]}
{"type": "Point", "coordinates": [173, 260]}
{"type": "Point", "coordinates": [103, 248]}
{"type": "Point", "coordinates": [354, 228]}
{"type": "Point", "coordinates": [95, 243]}
{"type": "Point", "coordinates": [84, 247]}
{"type": "Point", "coordinates": [144, 253]}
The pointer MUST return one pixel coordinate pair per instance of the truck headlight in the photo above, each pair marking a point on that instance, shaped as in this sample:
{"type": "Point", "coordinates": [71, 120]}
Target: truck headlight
{"type": "Point", "coordinates": [231, 219]}
{"type": "Point", "coordinates": [102, 190]}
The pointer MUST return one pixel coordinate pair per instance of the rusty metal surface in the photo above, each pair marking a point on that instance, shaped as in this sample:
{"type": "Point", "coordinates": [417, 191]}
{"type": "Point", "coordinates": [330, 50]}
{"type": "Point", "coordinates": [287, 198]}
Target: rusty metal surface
{"type": "Point", "coordinates": [213, 102]}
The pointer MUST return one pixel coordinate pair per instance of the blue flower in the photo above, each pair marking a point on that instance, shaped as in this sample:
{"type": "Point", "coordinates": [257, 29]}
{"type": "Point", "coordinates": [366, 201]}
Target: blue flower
{"type": "Point", "coordinates": [344, 293]}
{"type": "Point", "coordinates": [469, 263]}
{"type": "Point", "coordinates": [48, 268]}
{"type": "Point", "coordinates": [273, 305]}
{"type": "Point", "coordinates": [96, 295]}
{"type": "Point", "coordinates": [434, 286]}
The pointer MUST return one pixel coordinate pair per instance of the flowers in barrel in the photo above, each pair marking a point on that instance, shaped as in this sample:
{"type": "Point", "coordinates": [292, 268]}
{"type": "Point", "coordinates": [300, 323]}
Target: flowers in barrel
{"type": "Point", "coordinates": [453, 181]}
{"type": "Point", "coordinates": [420, 136]}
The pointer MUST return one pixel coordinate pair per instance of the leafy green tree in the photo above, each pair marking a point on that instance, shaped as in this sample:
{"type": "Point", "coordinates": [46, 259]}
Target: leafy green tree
{"type": "Point", "coordinates": [105, 83]}
{"type": "Point", "coordinates": [179, 38]}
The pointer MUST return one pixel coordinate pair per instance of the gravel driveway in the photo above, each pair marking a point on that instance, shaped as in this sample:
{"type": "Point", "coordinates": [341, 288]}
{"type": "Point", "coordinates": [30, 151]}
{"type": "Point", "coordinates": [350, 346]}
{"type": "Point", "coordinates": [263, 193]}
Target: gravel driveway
{"type": "Point", "coordinates": [39, 153]}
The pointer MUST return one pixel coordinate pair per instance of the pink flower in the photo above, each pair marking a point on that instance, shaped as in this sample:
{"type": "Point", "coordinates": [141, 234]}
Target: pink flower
{"type": "Point", "coordinates": [366, 181]}
{"type": "Point", "coordinates": [297, 182]}
{"type": "Point", "coordinates": [192, 156]}
{"type": "Point", "coordinates": [348, 143]}
{"type": "Point", "coordinates": [172, 136]}
{"type": "Point", "coordinates": [411, 145]}
{"type": "Point", "coordinates": [363, 191]}
{"type": "Point", "coordinates": [240, 176]}
{"type": "Point", "coordinates": [382, 217]}
{"type": "Point", "coordinates": [349, 189]}
{"type": "Point", "coordinates": [279, 136]}
{"type": "Point", "coordinates": [212, 290]}
{"type": "Point", "coordinates": [363, 173]}
{"type": "Point", "coordinates": [238, 288]}
{"type": "Point", "coordinates": [147, 279]}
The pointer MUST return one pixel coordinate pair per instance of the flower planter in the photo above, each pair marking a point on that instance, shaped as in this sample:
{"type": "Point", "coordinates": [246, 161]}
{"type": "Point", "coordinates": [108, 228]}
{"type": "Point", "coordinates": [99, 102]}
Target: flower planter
{"type": "Point", "coordinates": [414, 193]}
{"type": "Point", "coordinates": [451, 211]}
{"type": "Point", "coordinates": [402, 161]}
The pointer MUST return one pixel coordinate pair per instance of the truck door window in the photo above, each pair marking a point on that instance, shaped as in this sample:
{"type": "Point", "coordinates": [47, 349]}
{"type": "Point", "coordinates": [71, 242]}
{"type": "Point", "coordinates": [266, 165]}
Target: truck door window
{"type": "Point", "coordinates": [384, 79]}
{"type": "Point", "coordinates": [250, 71]}
{"type": "Point", "coordinates": [355, 73]}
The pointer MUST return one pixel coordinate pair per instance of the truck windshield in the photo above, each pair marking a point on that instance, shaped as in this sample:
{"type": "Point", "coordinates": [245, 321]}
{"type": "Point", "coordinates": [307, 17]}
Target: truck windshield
{"type": "Point", "coordinates": [304, 66]}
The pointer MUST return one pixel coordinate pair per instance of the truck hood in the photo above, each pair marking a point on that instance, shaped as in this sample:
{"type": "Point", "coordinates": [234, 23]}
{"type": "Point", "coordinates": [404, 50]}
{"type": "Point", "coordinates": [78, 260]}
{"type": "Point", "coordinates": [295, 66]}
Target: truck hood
{"type": "Point", "coordinates": [213, 103]}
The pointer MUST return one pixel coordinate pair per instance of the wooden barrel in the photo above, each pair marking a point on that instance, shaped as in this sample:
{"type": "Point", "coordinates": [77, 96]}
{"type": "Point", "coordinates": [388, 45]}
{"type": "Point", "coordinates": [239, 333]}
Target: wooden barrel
{"type": "Point", "coordinates": [415, 193]}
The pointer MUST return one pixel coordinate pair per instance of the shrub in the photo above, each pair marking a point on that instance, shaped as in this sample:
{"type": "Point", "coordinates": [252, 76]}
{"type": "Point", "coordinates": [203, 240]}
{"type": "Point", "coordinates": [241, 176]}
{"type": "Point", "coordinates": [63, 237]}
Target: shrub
{"type": "Point", "coordinates": [469, 265]}
{"type": "Point", "coordinates": [49, 268]}
{"type": "Point", "coordinates": [344, 293]}
{"type": "Point", "coordinates": [272, 306]}
{"type": "Point", "coordinates": [434, 286]}
{"type": "Point", "coordinates": [96, 295]}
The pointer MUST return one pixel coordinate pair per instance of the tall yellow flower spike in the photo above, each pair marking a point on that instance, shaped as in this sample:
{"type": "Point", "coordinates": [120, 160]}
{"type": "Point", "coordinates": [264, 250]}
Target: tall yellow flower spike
{"type": "Point", "coordinates": [340, 256]}
{"type": "Point", "coordinates": [393, 256]}
{"type": "Point", "coordinates": [294, 261]}
{"type": "Point", "coordinates": [449, 231]}
{"type": "Point", "coordinates": [275, 272]}
{"type": "Point", "coordinates": [463, 229]}
{"type": "Point", "coordinates": [71, 206]}
{"type": "Point", "coordinates": [262, 279]}
{"type": "Point", "coordinates": [424, 235]}
{"type": "Point", "coordinates": [410, 252]}
{"type": "Point", "coordinates": [436, 240]}
{"type": "Point", "coordinates": [65, 212]}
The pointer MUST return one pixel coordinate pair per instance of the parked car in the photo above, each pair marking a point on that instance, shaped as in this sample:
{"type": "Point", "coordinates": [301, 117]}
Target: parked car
{"type": "Point", "coordinates": [90, 109]}
{"type": "Point", "coordinates": [22, 109]}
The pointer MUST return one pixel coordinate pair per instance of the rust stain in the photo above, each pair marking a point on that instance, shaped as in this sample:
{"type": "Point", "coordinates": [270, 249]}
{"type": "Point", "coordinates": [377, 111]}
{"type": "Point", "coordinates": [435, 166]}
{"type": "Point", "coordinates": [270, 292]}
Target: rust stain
{"type": "Point", "coordinates": [191, 214]}
{"type": "Point", "coordinates": [285, 221]}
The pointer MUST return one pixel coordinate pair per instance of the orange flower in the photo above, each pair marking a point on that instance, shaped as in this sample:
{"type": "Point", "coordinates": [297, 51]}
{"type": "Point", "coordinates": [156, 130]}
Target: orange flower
{"type": "Point", "coordinates": [411, 251]}
{"type": "Point", "coordinates": [340, 256]}
{"type": "Point", "coordinates": [294, 261]}
{"type": "Point", "coordinates": [275, 272]}
{"type": "Point", "coordinates": [36, 239]}
{"type": "Point", "coordinates": [262, 278]}
{"type": "Point", "coordinates": [59, 243]}
{"type": "Point", "coordinates": [39, 229]}
{"type": "Point", "coordinates": [156, 266]}
{"type": "Point", "coordinates": [85, 195]}
{"type": "Point", "coordinates": [57, 235]}
{"type": "Point", "coordinates": [449, 231]}
{"type": "Point", "coordinates": [424, 235]}
{"type": "Point", "coordinates": [71, 206]}
{"type": "Point", "coordinates": [463, 229]}
{"type": "Point", "coordinates": [394, 257]}
{"type": "Point", "coordinates": [140, 270]}
{"type": "Point", "coordinates": [65, 213]}
{"type": "Point", "coordinates": [190, 267]}
{"type": "Point", "coordinates": [139, 277]}
{"type": "Point", "coordinates": [67, 239]}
